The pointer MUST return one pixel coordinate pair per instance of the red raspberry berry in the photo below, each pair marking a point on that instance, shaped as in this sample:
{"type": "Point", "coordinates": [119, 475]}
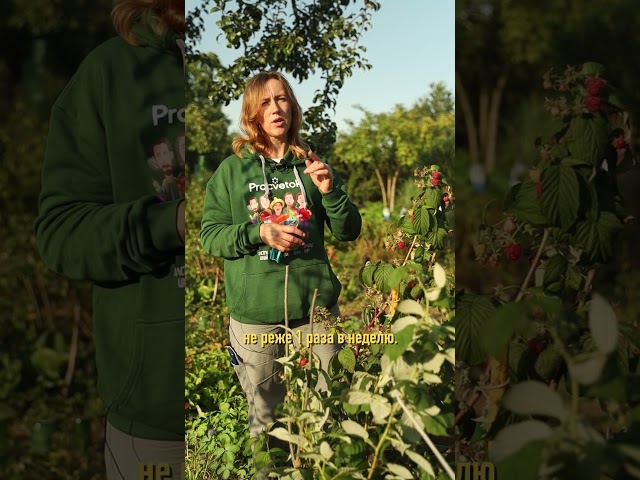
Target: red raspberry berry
{"type": "Point", "coordinates": [538, 190]}
{"type": "Point", "coordinates": [435, 182]}
{"type": "Point", "coordinates": [593, 103]}
{"type": "Point", "coordinates": [446, 200]}
{"type": "Point", "coordinates": [303, 362]}
{"type": "Point", "coordinates": [411, 284]}
{"type": "Point", "coordinates": [435, 174]}
{"type": "Point", "coordinates": [513, 252]}
{"type": "Point", "coordinates": [401, 245]}
{"type": "Point", "coordinates": [595, 86]}
{"type": "Point", "coordinates": [619, 143]}
{"type": "Point", "coordinates": [535, 346]}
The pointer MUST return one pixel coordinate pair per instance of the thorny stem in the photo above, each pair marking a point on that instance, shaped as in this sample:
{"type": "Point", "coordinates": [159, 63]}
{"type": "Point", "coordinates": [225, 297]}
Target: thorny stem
{"type": "Point", "coordinates": [432, 260]}
{"type": "Point", "coordinates": [406, 259]}
{"type": "Point", "coordinates": [383, 438]}
{"type": "Point", "coordinates": [366, 330]}
{"type": "Point", "coordinates": [587, 286]}
{"type": "Point", "coordinates": [294, 460]}
{"type": "Point", "coordinates": [305, 401]}
{"type": "Point", "coordinates": [533, 266]}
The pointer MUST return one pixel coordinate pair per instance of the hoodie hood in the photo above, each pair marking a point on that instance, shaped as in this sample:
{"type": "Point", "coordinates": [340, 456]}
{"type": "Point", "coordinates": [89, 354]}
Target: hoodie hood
{"type": "Point", "coordinates": [289, 160]}
{"type": "Point", "coordinates": [170, 42]}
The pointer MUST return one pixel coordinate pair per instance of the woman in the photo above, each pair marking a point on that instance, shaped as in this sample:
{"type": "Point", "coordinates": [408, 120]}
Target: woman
{"type": "Point", "coordinates": [272, 158]}
{"type": "Point", "coordinates": [102, 218]}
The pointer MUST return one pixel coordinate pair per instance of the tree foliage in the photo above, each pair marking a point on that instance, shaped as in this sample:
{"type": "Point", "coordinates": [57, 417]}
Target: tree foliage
{"type": "Point", "coordinates": [506, 46]}
{"type": "Point", "coordinates": [206, 126]}
{"type": "Point", "coordinates": [299, 38]}
{"type": "Point", "coordinates": [395, 143]}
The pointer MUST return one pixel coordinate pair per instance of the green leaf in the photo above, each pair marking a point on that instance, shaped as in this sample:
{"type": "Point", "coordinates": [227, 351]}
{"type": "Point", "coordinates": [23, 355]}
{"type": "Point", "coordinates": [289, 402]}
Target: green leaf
{"type": "Point", "coordinates": [516, 349]}
{"type": "Point", "coordinates": [535, 398]}
{"type": "Point", "coordinates": [438, 239]}
{"type": "Point", "coordinates": [524, 464]}
{"type": "Point", "coordinates": [381, 277]}
{"type": "Point", "coordinates": [603, 324]}
{"type": "Point", "coordinates": [592, 68]}
{"type": "Point", "coordinates": [511, 196]}
{"type": "Point", "coordinates": [611, 389]}
{"type": "Point", "coordinates": [380, 408]}
{"type": "Point", "coordinates": [560, 195]}
{"type": "Point", "coordinates": [589, 138]}
{"type": "Point", "coordinates": [354, 428]}
{"type": "Point", "coordinates": [573, 278]}
{"type": "Point", "coordinates": [589, 369]}
{"type": "Point", "coordinates": [407, 226]}
{"type": "Point", "coordinates": [325, 451]}
{"type": "Point", "coordinates": [527, 206]}
{"type": "Point", "coordinates": [367, 273]}
{"type": "Point", "coordinates": [548, 363]}
{"type": "Point", "coordinates": [399, 470]}
{"type": "Point", "coordinates": [439, 275]}
{"type": "Point", "coordinates": [411, 307]}
{"type": "Point", "coordinates": [421, 220]}
{"type": "Point", "coordinates": [555, 273]}
{"type": "Point", "coordinates": [472, 314]}
{"type": "Point", "coordinates": [438, 424]}
{"type": "Point", "coordinates": [420, 461]}
{"type": "Point", "coordinates": [514, 437]}
{"type": "Point", "coordinates": [403, 339]}
{"type": "Point", "coordinates": [347, 358]}
{"type": "Point", "coordinates": [282, 434]}
{"type": "Point", "coordinates": [432, 198]}
{"type": "Point", "coordinates": [501, 326]}
{"type": "Point", "coordinates": [608, 226]}
{"type": "Point", "coordinates": [396, 277]}
{"type": "Point", "coordinates": [358, 397]}
{"type": "Point", "coordinates": [597, 238]}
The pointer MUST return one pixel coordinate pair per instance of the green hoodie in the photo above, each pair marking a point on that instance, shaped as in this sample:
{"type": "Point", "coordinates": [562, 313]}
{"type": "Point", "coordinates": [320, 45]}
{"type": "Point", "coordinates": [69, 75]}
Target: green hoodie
{"type": "Point", "coordinates": [112, 182]}
{"type": "Point", "coordinates": [233, 211]}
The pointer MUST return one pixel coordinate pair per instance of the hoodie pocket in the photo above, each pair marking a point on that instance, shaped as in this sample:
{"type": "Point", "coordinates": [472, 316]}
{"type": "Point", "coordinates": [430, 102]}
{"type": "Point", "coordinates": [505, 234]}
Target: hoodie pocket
{"type": "Point", "coordinates": [261, 298]}
{"type": "Point", "coordinates": [154, 390]}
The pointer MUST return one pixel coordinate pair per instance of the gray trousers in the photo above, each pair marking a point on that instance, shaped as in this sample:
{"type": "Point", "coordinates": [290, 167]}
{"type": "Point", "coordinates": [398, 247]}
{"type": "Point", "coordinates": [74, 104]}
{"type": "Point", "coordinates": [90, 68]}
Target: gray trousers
{"type": "Point", "coordinates": [133, 458]}
{"type": "Point", "coordinates": [258, 372]}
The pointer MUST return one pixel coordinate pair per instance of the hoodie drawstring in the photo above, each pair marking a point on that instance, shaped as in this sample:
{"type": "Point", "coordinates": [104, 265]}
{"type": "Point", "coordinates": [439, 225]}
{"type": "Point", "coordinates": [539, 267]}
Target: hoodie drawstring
{"type": "Point", "coordinates": [181, 46]}
{"type": "Point", "coordinates": [264, 176]}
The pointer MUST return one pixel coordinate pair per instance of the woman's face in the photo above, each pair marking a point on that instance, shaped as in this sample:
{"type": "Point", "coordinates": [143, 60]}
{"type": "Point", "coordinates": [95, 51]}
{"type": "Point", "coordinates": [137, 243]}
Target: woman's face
{"type": "Point", "coordinates": [275, 111]}
{"type": "Point", "coordinates": [277, 208]}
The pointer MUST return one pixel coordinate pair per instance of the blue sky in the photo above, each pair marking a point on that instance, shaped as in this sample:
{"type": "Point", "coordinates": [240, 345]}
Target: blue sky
{"type": "Point", "coordinates": [411, 44]}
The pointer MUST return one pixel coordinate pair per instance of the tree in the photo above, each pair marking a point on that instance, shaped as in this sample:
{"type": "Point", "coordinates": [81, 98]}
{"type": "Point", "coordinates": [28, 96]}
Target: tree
{"type": "Point", "coordinates": [206, 126]}
{"type": "Point", "coordinates": [400, 141]}
{"type": "Point", "coordinates": [298, 38]}
{"type": "Point", "coordinates": [501, 41]}
{"type": "Point", "coordinates": [505, 46]}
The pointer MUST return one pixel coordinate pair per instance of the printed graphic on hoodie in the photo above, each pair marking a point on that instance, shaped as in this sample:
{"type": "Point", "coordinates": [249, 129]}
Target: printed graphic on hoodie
{"type": "Point", "coordinates": [289, 209]}
{"type": "Point", "coordinates": [169, 167]}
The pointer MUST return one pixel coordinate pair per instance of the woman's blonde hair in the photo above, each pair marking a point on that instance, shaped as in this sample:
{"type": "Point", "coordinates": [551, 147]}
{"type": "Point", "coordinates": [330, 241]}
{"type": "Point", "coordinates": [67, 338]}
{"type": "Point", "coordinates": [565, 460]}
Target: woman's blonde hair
{"type": "Point", "coordinates": [162, 15]}
{"type": "Point", "coordinates": [255, 137]}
